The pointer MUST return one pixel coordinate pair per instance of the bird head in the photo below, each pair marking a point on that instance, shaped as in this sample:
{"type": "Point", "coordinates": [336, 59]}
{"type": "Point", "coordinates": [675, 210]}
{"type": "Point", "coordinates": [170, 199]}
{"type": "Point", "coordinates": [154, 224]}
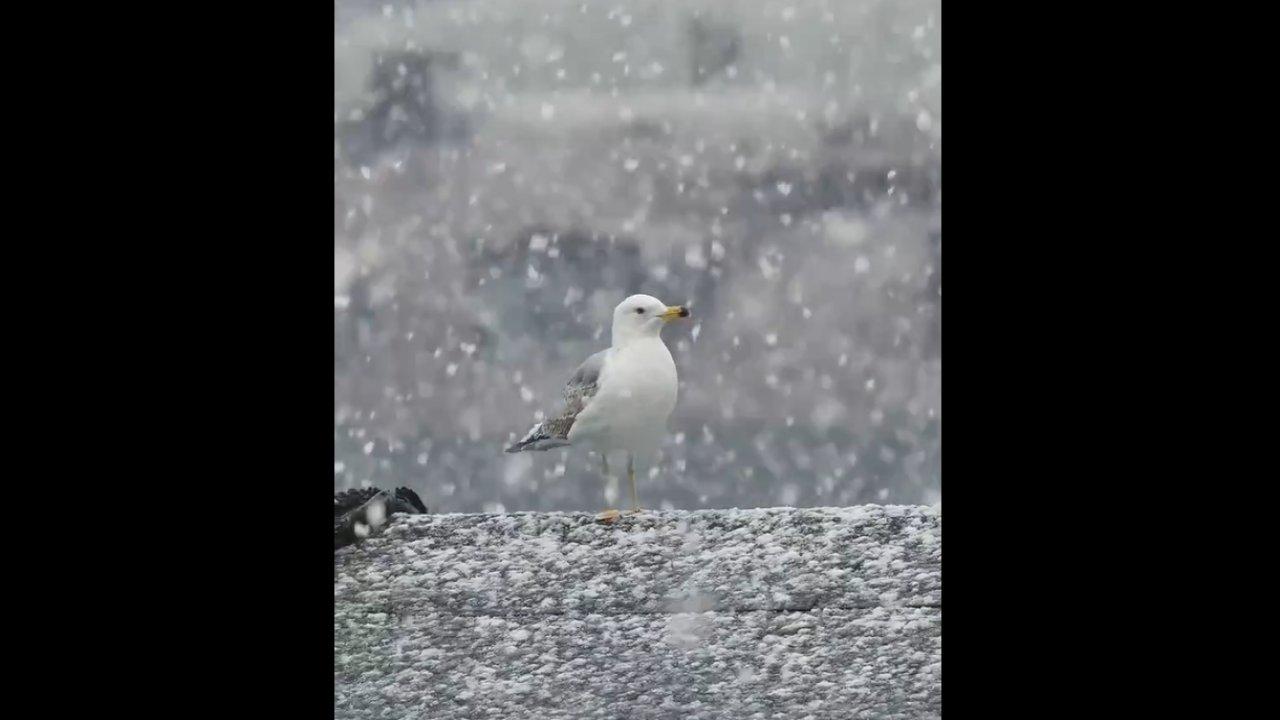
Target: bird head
{"type": "Point", "coordinates": [641, 316]}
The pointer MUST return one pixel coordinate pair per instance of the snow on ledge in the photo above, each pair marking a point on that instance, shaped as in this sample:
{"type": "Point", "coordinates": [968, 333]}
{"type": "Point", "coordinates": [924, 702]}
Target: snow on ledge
{"type": "Point", "coordinates": [821, 612]}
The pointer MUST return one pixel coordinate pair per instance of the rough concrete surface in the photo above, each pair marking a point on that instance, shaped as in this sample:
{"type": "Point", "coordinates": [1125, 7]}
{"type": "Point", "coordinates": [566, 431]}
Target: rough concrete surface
{"type": "Point", "coordinates": [793, 613]}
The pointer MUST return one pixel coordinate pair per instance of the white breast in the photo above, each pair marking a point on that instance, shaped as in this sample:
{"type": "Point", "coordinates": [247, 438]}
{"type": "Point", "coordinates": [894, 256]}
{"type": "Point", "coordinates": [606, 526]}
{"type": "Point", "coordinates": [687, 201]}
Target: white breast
{"type": "Point", "coordinates": [637, 394]}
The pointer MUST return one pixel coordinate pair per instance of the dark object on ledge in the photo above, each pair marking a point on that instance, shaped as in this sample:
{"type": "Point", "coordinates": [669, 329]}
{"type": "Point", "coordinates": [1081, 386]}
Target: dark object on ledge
{"type": "Point", "coordinates": [358, 513]}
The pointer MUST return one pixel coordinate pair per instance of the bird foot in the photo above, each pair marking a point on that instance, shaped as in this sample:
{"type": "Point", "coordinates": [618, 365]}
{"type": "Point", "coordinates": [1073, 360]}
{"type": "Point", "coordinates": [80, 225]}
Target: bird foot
{"type": "Point", "coordinates": [608, 516]}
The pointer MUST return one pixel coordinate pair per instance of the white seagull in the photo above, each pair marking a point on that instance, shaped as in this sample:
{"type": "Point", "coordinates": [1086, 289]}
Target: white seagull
{"type": "Point", "coordinates": [620, 398]}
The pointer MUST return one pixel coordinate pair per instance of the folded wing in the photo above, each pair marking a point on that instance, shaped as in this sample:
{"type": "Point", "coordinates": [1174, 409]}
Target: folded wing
{"type": "Point", "coordinates": [554, 432]}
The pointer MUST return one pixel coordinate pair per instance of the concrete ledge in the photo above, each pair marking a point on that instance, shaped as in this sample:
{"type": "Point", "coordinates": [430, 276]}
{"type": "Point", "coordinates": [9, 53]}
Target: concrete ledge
{"type": "Point", "coordinates": [822, 613]}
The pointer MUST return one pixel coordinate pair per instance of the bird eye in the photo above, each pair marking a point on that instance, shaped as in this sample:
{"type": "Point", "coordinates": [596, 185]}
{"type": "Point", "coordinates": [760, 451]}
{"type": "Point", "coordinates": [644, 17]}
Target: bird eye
{"type": "Point", "coordinates": [640, 311]}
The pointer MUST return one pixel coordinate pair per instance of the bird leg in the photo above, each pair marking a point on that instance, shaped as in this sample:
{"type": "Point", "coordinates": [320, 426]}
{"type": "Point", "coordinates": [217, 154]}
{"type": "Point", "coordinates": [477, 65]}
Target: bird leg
{"type": "Point", "coordinates": [606, 516]}
{"type": "Point", "coordinates": [631, 475]}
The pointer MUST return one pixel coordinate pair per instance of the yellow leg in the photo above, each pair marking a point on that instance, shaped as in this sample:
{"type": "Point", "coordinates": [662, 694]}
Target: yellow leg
{"type": "Point", "coordinates": [631, 475]}
{"type": "Point", "coordinates": [606, 516]}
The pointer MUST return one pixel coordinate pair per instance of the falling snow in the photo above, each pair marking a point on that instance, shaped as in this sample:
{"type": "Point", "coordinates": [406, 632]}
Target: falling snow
{"type": "Point", "coordinates": [505, 173]}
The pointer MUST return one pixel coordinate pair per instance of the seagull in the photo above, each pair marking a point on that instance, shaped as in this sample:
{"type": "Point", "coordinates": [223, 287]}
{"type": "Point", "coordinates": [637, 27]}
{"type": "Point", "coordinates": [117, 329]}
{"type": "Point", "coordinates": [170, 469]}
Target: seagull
{"type": "Point", "coordinates": [619, 398]}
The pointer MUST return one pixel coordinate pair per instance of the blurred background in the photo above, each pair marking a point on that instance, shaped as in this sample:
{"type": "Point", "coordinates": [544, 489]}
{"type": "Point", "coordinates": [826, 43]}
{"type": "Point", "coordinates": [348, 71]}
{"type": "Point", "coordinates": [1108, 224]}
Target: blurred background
{"type": "Point", "coordinates": [507, 171]}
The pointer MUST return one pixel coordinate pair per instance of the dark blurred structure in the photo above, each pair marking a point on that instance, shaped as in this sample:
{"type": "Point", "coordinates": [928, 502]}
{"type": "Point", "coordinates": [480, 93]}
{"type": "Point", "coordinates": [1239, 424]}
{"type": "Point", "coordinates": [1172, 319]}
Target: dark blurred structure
{"type": "Point", "coordinates": [403, 106]}
{"type": "Point", "coordinates": [714, 47]}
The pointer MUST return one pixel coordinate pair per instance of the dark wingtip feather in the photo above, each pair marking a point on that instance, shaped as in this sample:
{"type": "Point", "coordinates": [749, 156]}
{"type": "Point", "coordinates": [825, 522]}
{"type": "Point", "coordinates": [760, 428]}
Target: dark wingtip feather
{"type": "Point", "coordinates": [535, 433]}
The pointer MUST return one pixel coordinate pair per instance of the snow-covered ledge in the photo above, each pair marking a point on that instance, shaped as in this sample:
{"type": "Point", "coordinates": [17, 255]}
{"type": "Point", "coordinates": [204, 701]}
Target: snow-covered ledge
{"type": "Point", "coordinates": [820, 612]}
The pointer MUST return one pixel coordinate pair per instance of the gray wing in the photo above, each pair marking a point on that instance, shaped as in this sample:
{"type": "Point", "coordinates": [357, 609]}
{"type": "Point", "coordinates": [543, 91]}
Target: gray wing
{"type": "Point", "coordinates": [554, 432]}
{"type": "Point", "coordinates": [583, 382]}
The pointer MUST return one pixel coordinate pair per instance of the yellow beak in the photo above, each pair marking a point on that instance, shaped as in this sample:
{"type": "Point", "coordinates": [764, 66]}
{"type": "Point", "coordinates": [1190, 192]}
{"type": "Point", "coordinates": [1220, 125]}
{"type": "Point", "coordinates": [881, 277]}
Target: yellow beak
{"type": "Point", "coordinates": [676, 311]}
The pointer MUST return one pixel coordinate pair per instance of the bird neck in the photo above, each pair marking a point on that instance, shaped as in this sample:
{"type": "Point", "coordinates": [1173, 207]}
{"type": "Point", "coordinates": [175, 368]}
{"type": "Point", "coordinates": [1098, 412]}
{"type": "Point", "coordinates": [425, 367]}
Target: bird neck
{"type": "Point", "coordinates": [624, 336]}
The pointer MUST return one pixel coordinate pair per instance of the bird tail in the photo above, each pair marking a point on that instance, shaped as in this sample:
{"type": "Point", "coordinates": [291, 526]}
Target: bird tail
{"type": "Point", "coordinates": [537, 439]}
